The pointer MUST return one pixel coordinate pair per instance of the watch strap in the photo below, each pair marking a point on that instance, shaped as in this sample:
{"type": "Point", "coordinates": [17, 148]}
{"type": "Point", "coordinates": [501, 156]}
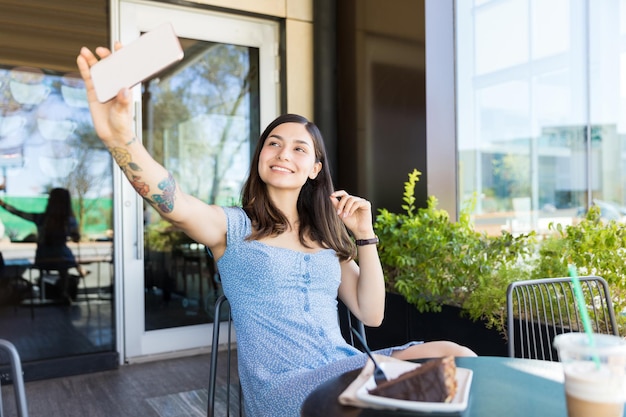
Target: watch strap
{"type": "Point", "coordinates": [363, 242]}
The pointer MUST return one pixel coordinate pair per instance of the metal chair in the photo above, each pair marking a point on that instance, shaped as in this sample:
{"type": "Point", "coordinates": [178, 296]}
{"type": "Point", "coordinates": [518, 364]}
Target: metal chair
{"type": "Point", "coordinates": [539, 309]}
{"type": "Point", "coordinates": [222, 307]}
{"type": "Point", "coordinates": [222, 303]}
{"type": "Point", "coordinates": [17, 378]}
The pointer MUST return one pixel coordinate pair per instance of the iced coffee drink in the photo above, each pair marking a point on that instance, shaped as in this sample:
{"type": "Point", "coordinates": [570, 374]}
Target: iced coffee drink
{"type": "Point", "coordinates": [593, 391]}
{"type": "Point", "coordinates": [595, 376]}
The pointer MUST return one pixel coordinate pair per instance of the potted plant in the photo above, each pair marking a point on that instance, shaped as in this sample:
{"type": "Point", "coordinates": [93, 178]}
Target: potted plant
{"type": "Point", "coordinates": [161, 243]}
{"type": "Point", "coordinates": [446, 269]}
{"type": "Point", "coordinates": [596, 247]}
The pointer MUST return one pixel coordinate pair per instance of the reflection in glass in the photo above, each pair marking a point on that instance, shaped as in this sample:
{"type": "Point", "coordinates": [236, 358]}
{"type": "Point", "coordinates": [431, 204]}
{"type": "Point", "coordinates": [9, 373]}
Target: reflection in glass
{"type": "Point", "coordinates": [48, 141]}
{"type": "Point", "coordinates": [27, 85]}
{"type": "Point", "coordinates": [541, 112]}
{"type": "Point", "coordinates": [199, 120]}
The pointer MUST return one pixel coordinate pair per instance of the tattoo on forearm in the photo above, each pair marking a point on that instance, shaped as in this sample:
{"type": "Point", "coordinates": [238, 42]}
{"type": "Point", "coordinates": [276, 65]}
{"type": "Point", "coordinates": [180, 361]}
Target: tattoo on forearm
{"type": "Point", "coordinates": [122, 157]}
{"type": "Point", "coordinates": [163, 202]}
{"type": "Point", "coordinates": [141, 187]}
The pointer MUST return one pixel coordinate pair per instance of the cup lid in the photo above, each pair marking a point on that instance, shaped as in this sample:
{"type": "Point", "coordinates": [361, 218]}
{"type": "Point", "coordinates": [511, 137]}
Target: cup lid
{"type": "Point", "coordinates": [580, 342]}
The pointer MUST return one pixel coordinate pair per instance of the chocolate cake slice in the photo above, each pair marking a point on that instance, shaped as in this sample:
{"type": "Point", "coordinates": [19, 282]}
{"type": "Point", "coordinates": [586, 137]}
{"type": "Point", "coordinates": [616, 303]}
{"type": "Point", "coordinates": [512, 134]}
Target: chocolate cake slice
{"type": "Point", "coordinates": [434, 381]}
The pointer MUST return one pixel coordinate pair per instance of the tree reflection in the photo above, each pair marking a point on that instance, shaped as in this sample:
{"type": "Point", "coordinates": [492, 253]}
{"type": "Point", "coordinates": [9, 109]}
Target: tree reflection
{"type": "Point", "coordinates": [197, 119]}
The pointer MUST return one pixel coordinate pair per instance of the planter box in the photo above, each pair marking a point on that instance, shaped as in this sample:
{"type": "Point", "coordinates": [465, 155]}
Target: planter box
{"type": "Point", "coordinates": [403, 323]}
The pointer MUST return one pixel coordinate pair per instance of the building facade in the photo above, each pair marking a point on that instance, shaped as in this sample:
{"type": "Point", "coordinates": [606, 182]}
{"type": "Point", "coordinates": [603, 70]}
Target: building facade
{"type": "Point", "coordinates": [492, 101]}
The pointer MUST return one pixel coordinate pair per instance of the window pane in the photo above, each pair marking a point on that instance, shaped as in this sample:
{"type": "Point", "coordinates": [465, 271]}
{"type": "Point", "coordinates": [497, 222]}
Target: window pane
{"type": "Point", "coordinates": [606, 83]}
{"type": "Point", "coordinates": [550, 28]}
{"type": "Point", "coordinates": [493, 50]}
{"type": "Point", "coordinates": [47, 141]}
{"type": "Point", "coordinates": [200, 121]}
{"type": "Point", "coordinates": [525, 116]}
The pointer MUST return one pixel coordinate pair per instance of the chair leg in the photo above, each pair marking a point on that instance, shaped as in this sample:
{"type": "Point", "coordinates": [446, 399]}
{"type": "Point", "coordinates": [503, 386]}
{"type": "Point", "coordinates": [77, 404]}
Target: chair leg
{"type": "Point", "coordinates": [85, 291]}
{"type": "Point", "coordinates": [82, 278]}
{"type": "Point", "coordinates": [214, 355]}
{"type": "Point", "coordinates": [18, 379]}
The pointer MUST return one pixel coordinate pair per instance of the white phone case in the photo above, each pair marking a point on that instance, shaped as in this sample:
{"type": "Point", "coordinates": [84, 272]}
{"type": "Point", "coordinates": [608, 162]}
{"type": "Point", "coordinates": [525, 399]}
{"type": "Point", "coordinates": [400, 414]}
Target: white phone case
{"type": "Point", "coordinates": [151, 53]}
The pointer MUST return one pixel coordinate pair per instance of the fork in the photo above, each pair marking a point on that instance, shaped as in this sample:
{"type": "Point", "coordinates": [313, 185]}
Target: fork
{"type": "Point", "coordinates": [379, 374]}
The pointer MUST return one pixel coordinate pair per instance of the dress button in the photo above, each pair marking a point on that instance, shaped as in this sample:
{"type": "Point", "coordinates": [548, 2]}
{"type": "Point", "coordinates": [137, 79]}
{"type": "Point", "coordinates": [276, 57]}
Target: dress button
{"type": "Point", "coordinates": [306, 308]}
{"type": "Point", "coordinates": [307, 257]}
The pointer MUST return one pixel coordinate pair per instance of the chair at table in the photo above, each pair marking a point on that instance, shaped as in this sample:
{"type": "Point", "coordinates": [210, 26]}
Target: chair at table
{"type": "Point", "coordinates": [16, 377]}
{"type": "Point", "coordinates": [52, 276]}
{"type": "Point", "coordinates": [234, 399]}
{"type": "Point", "coordinates": [539, 309]}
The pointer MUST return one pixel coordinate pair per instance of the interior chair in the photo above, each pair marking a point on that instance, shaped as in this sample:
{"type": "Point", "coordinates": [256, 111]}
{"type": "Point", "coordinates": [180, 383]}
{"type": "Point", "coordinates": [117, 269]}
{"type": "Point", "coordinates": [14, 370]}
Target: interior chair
{"type": "Point", "coordinates": [16, 377]}
{"type": "Point", "coordinates": [197, 267]}
{"type": "Point", "coordinates": [539, 309]}
{"type": "Point", "coordinates": [51, 276]}
{"type": "Point", "coordinates": [234, 397]}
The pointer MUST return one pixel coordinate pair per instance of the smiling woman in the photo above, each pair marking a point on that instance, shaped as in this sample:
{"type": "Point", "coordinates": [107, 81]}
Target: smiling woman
{"type": "Point", "coordinates": [284, 256]}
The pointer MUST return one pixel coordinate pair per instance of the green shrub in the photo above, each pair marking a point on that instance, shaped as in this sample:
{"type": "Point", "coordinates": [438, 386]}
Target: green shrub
{"type": "Point", "coordinates": [595, 247]}
{"type": "Point", "coordinates": [433, 261]}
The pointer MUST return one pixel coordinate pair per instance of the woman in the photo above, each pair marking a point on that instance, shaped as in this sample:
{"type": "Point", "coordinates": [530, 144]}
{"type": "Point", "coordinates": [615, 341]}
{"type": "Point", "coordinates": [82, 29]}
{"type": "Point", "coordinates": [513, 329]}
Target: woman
{"type": "Point", "coordinates": [55, 226]}
{"type": "Point", "coordinates": [284, 256]}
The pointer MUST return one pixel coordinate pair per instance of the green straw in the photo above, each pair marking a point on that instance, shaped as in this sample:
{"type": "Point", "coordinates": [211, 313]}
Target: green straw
{"type": "Point", "coordinates": [584, 314]}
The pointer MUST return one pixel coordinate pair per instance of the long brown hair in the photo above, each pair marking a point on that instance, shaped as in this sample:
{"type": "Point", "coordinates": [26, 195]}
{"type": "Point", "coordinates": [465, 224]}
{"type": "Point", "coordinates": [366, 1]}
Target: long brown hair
{"type": "Point", "coordinates": [316, 213]}
{"type": "Point", "coordinates": [59, 211]}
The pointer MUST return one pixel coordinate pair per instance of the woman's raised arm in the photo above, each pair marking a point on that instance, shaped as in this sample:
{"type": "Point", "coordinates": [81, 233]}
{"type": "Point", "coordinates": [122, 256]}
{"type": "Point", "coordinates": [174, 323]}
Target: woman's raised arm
{"type": "Point", "coordinates": [113, 122]}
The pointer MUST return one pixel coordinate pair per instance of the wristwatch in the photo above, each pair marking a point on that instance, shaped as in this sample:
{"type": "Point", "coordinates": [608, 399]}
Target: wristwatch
{"type": "Point", "coordinates": [363, 242]}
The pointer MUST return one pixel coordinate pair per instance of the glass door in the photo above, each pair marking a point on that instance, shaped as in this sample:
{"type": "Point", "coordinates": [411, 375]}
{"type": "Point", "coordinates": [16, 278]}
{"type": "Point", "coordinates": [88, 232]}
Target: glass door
{"type": "Point", "coordinates": [200, 119]}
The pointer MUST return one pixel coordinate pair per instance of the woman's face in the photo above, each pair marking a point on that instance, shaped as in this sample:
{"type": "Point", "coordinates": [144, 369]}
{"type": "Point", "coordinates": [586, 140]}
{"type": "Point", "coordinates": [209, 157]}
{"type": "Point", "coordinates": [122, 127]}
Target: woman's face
{"type": "Point", "coordinates": [287, 158]}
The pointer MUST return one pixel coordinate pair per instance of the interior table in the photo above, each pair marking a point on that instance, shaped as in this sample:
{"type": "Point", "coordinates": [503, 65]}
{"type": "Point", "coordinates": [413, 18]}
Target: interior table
{"type": "Point", "coordinates": [500, 386]}
{"type": "Point", "coordinates": [13, 269]}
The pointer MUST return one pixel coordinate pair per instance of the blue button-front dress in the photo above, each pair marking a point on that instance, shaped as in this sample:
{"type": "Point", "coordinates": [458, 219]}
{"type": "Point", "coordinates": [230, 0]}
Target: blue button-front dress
{"type": "Point", "coordinates": [284, 308]}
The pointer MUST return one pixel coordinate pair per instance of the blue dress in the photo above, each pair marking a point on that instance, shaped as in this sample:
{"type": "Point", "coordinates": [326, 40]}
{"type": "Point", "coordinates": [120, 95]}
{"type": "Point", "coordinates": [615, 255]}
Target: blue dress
{"type": "Point", "coordinates": [284, 308]}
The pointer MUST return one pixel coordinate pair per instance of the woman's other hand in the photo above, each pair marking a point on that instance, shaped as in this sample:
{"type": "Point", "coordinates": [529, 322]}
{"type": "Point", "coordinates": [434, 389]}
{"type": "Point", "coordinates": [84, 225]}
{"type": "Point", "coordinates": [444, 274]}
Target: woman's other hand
{"type": "Point", "coordinates": [355, 212]}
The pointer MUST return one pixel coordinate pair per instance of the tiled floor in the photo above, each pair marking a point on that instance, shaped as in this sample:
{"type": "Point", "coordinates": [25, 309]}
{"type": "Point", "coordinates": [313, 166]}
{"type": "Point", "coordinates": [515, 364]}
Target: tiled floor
{"type": "Point", "coordinates": [166, 388]}
{"type": "Point", "coordinates": [56, 338]}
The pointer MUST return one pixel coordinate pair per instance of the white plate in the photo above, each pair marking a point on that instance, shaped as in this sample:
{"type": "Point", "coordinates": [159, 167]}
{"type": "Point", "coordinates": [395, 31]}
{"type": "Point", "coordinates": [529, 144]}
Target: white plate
{"type": "Point", "coordinates": [394, 369]}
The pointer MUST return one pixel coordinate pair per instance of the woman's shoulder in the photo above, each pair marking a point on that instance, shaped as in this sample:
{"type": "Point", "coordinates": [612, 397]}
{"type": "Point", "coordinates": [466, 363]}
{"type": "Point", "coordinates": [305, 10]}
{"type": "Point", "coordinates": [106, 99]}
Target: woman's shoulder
{"type": "Point", "coordinates": [238, 222]}
{"type": "Point", "coordinates": [235, 213]}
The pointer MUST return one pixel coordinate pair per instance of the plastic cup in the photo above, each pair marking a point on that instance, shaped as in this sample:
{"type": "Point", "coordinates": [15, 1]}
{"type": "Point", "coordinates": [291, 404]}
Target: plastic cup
{"type": "Point", "coordinates": [595, 376]}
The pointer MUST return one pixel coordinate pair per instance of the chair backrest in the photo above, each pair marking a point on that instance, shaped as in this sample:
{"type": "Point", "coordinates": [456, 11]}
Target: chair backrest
{"type": "Point", "coordinates": [232, 401]}
{"type": "Point", "coordinates": [539, 309]}
{"type": "Point", "coordinates": [16, 377]}
{"type": "Point", "coordinates": [348, 320]}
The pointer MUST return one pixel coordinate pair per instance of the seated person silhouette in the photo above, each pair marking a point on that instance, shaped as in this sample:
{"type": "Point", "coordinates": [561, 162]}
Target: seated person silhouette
{"type": "Point", "coordinates": [55, 226]}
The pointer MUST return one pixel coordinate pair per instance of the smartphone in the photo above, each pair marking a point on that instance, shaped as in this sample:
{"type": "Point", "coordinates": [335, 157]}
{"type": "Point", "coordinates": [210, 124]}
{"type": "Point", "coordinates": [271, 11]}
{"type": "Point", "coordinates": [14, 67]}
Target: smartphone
{"type": "Point", "coordinates": [151, 53]}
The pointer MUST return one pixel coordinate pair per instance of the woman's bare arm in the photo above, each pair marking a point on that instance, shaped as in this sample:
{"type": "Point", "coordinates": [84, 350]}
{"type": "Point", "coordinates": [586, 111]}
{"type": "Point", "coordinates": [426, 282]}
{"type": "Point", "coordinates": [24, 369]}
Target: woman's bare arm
{"type": "Point", "coordinates": [113, 122]}
{"type": "Point", "coordinates": [362, 286]}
